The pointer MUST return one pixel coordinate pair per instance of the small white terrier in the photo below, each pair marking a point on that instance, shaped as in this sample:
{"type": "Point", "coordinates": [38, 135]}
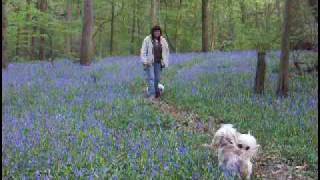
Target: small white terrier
{"type": "Point", "coordinates": [235, 150]}
{"type": "Point", "coordinates": [160, 86]}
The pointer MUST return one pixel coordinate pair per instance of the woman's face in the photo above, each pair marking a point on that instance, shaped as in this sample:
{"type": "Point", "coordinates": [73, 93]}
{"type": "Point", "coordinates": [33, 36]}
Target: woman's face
{"type": "Point", "coordinates": [156, 33]}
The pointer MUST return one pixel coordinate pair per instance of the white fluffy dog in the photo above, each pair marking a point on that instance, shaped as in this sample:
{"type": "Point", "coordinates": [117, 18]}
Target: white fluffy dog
{"type": "Point", "coordinates": [235, 150]}
{"type": "Point", "coordinates": [160, 86]}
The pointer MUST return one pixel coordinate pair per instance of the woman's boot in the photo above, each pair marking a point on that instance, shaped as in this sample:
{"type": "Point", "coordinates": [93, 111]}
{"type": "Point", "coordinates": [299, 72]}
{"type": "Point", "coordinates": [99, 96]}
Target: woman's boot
{"type": "Point", "coordinates": [157, 93]}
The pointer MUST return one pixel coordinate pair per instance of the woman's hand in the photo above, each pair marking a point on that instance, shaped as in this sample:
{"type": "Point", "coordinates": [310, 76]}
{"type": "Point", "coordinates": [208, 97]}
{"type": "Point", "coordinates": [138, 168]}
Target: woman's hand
{"type": "Point", "coordinates": [145, 65]}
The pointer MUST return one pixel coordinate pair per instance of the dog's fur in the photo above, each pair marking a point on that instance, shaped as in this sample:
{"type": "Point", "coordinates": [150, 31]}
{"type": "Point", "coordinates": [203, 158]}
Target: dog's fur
{"type": "Point", "coordinates": [235, 150]}
{"type": "Point", "coordinates": [160, 86]}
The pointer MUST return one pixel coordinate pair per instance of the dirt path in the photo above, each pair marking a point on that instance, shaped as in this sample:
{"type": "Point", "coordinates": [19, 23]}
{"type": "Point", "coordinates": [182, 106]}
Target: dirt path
{"type": "Point", "coordinates": [268, 164]}
{"type": "Point", "coordinates": [188, 121]}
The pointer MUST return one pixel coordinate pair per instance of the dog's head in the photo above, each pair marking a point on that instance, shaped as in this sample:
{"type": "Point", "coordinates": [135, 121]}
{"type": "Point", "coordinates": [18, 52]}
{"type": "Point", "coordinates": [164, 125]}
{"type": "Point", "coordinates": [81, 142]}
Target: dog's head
{"type": "Point", "coordinates": [161, 87]}
{"type": "Point", "coordinates": [248, 145]}
{"type": "Point", "coordinates": [225, 135]}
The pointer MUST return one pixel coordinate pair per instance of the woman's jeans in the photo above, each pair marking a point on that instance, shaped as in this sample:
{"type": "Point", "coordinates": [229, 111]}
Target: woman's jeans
{"type": "Point", "coordinates": [152, 75]}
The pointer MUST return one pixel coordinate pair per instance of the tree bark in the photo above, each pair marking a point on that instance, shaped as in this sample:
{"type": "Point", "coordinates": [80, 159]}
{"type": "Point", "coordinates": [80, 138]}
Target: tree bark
{"type": "Point", "coordinates": [278, 7]}
{"type": "Point", "coordinates": [18, 41]}
{"type": "Point", "coordinates": [155, 13]}
{"type": "Point", "coordinates": [79, 9]}
{"type": "Point", "coordinates": [28, 30]}
{"type": "Point", "coordinates": [68, 20]}
{"type": "Point", "coordinates": [178, 22]}
{"type": "Point", "coordinates": [243, 11]}
{"type": "Point", "coordinates": [4, 35]}
{"type": "Point", "coordinates": [133, 27]}
{"type": "Point", "coordinates": [165, 27]}
{"type": "Point", "coordinates": [260, 73]}
{"type": "Point", "coordinates": [256, 15]}
{"type": "Point", "coordinates": [267, 15]}
{"type": "Point", "coordinates": [43, 6]}
{"type": "Point", "coordinates": [282, 89]}
{"type": "Point", "coordinates": [205, 34]}
{"type": "Point", "coordinates": [212, 43]}
{"type": "Point", "coordinates": [213, 33]}
{"type": "Point", "coordinates": [232, 33]}
{"type": "Point", "coordinates": [112, 28]}
{"type": "Point", "coordinates": [314, 7]}
{"type": "Point", "coordinates": [86, 41]}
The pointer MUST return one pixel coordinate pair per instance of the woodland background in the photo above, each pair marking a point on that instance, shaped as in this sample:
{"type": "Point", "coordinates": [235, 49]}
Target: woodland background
{"type": "Point", "coordinates": [43, 29]}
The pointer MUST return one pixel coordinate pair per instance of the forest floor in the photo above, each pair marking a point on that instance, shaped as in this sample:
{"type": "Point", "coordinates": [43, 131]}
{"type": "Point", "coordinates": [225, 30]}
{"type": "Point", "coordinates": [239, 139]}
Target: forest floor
{"type": "Point", "coordinates": [72, 121]}
{"type": "Point", "coordinates": [268, 165]}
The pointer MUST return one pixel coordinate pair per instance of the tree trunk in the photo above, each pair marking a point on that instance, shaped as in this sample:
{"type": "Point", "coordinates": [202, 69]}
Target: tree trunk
{"type": "Point", "coordinates": [68, 20]}
{"type": "Point", "coordinates": [314, 6]}
{"type": "Point", "coordinates": [28, 30]}
{"type": "Point", "coordinates": [278, 7]}
{"type": "Point", "coordinates": [18, 41]}
{"type": "Point", "coordinates": [212, 43]}
{"type": "Point", "coordinates": [152, 12]}
{"type": "Point", "coordinates": [260, 73]}
{"type": "Point", "coordinates": [4, 35]}
{"type": "Point", "coordinates": [256, 15]}
{"type": "Point", "coordinates": [267, 15]}
{"type": "Point", "coordinates": [33, 42]}
{"type": "Point", "coordinates": [155, 13]}
{"type": "Point", "coordinates": [178, 21]}
{"type": "Point", "coordinates": [232, 33]}
{"type": "Point", "coordinates": [282, 89]}
{"type": "Point", "coordinates": [138, 28]}
{"type": "Point", "coordinates": [86, 42]}
{"type": "Point", "coordinates": [79, 9]}
{"type": "Point", "coordinates": [112, 27]}
{"type": "Point", "coordinates": [165, 27]}
{"type": "Point", "coordinates": [212, 34]}
{"type": "Point", "coordinates": [205, 34]}
{"type": "Point", "coordinates": [133, 27]}
{"type": "Point", "coordinates": [243, 11]}
{"type": "Point", "coordinates": [43, 6]}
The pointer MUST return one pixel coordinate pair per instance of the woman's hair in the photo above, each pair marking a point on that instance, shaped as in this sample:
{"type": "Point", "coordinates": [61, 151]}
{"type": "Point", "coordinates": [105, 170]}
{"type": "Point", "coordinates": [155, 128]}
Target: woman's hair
{"type": "Point", "coordinates": [154, 28]}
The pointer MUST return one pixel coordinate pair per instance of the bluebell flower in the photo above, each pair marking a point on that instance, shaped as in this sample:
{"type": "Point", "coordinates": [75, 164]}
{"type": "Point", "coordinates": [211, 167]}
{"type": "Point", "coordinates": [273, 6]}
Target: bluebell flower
{"type": "Point", "coordinates": [37, 175]}
{"type": "Point", "coordinates": [196, 176]}
{"type": "Point", "coordinates": [183, 150]}
{"type": "Point", "coordinates": [176, 165]}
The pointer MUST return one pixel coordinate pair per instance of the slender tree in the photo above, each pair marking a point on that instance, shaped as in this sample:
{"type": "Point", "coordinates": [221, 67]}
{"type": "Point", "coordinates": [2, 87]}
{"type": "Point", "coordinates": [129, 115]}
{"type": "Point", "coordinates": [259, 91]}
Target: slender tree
{"type": "Point", "coordinates": [19, 29]}
{"type": "Point", "coordinates": [213, 28]}
{"type": "Point", "coordinates": [112, 27]}
{"type": "Point", "coordinates": [86, 42]}
{"type": "Point", "coordinates": [4, 35]}
{"type": "Point", "coordinates": [79, 9]}
{"type": "Point", "coordinates": [282, 89]}
{"type": "Point", "coordinates": [155, 12]}
{"type": "Point", "coordinates": [260, 73]}
{"type": "Point", "coordinates": [133, 26]}
{"type": "Point", "coordinates": [165, 26]}
{"type": "Point", "coordinates": [28, 29]}
{"type": "Point", "coordinates": [205, 34]}
{"type": "Point", "coordinates": [178, 24]}
{"type": "Point", "coordinates": [257, 15]}
{"type": "Point", "coordinates": [278, 7]}
{"type": "Point", "coordinates": [33, 35]}
{"type": "Point", "coordinates": [243, 11]}
{"type": "Point", "coordinates": [43, 6]}
{"type": "Point", "coordinates": [68, 20]}
{"type": "Point", "coordinates": [314, 6]}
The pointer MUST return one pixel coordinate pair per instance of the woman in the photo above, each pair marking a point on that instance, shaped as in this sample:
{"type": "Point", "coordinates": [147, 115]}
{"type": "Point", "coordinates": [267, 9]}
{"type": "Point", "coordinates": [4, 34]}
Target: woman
{"type": "Point", "coordinates": [154, 56]}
